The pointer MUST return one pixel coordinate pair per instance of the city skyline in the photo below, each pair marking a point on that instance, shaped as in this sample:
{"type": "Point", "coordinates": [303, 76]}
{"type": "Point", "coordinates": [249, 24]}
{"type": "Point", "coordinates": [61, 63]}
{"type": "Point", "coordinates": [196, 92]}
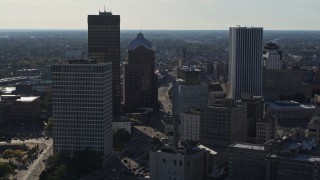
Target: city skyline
{"type": "Point", "coordinates": [163, 14]}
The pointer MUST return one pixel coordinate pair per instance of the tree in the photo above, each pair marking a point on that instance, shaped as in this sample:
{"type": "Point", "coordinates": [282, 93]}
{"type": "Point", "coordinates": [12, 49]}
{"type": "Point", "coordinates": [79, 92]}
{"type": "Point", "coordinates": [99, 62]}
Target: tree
{"type": "Point", "coordinates": [48, 128]}
{"type": "Point", "coordinates": [19, 154]}
{"type": "Point", "coordinates": [6, 169]}
{"type": "Point", "coordinates": [8, 153]}
{"type": "Point", "coordinates": [122, 135]}
{"type": "Point", "coordinates": [48, 101]}
{"type": "Point", "coordinates": [85, 162]}
{"type": "Point", "coordinates": [64, 171]}
{"type": "Point", "coordinates": [53, 162]}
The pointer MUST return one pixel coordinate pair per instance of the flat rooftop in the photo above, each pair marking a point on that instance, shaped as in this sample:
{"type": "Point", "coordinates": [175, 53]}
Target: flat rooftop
{"type": "Point", "coordinates": [181, 150]}
{"type": "Point", "coordinates": [310, 158]}
{"type": "Point", "coordinates": [288, 105]}
{"type": "Point", "coordinates": [18, 98]}
{"type": "Point", "coordinates": [213, 152]}
{"type": "Point", "coordinates": [191, 68]}
{"type": "Point", "coordinates": [248, 146]}
{"type": "Point", "coordinates": [193, 112]}
{"type": "Point", "coordinates": [28, 99]}
{"type": "Point", "coordinates": [299, 157]}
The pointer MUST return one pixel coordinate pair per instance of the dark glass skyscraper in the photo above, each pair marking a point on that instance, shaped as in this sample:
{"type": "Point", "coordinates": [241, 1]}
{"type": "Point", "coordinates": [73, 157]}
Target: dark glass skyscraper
{"type": "Point", "coordinates": [104, 46]}
{"type": "Point", "coordinates": [141, 90]}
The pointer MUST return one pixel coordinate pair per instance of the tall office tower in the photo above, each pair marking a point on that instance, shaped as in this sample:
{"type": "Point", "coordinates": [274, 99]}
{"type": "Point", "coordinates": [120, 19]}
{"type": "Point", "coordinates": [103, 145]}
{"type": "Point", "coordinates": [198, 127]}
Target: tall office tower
{"type": "Point", "coordinates": [104, 46]}
{"type": "Point", "coordinates": [245, 61]}
{"type": "Point", "coordinates": [223, 123]}
{"type": "Point", "coordinates": [140, 84]}
{"type": "Point", "coordinates": [82, 107]}
{"type": "Point", "coordinates": [272, 57]}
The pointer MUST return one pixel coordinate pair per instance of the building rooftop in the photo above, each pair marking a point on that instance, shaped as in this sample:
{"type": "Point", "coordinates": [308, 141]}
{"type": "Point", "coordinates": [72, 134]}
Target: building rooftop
{"type": "Point", "coordinates": [180, 150]}
{"type": "Point", "coordinates": [8, 90]}
{"type": "Point", "coordinates": [193, 112]}
{"type": "Point", "coordinates": [288, 105]}
{"type": "Point", "coordinates": [18, 98]}
{"type": "Point", "coordinates": [271, 46]}
{"type": "Point", "coordinates": [315, 120]}
{"type": "Point", "coordinates": [28, 99]}
{"type": "Point", "coordinates": [187, 68]}
{"type": "Point", "coordinates": [304, 157]}
{"type": "Point", "coordinates": [200, 146]}
{"type": "Point", "coordinates": [140, 41]}
{"type": "Point", "coordinates": [81, 61]}
{"type": "Point", "coordinates": [299, 157]}
{"type": "Point", "coordinates": [248, 146]}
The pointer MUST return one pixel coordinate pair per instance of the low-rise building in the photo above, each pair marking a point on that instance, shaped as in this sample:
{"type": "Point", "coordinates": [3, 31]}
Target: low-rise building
{"type": "Point", "coordinates": [18, 108]}
{"type": "Point", "coordinates": [293, 158]}
{"type": "Point", "coordinates": [290, 113]}
{"type": "Point", "coordinates": [246, 161]}
{"type": "Point", "coordinates": [170, 163]}
{"type": "Point", "coordinates": [282, 158]}
{"type": "Point", "coordinates": [223, 123]}
{"type": "Point", "coordinates": [266, 129]}
{"type": "Point", "coordinates": [116, 125]}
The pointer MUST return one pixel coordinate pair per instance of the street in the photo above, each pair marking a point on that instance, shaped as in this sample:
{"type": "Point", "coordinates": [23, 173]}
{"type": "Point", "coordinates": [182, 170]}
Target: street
{"type": "Point", "coordinates": [38, 165]}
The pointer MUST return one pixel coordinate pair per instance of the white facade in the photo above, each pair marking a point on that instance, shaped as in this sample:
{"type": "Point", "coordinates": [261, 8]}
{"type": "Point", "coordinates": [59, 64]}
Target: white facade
{"type": "Point", "coordinates": [179, 164]}
{"type": "Point", "coordinates": [190, 126]}
{"type": "Point", "coordinates": [245, 61]}
{"type": "Point", "coordinates": [188, 96]}
{"type": "Point", "coordinates": [82, 107]}
{"type": "Point", "coordinates": [116, 125]}
{"type": "Point", "coordinates": [272, 60]}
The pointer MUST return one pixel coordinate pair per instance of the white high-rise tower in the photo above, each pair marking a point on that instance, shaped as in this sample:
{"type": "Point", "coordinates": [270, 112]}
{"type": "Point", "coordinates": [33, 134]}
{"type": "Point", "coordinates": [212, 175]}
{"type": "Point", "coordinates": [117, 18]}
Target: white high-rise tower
{"type": "Point", "coordinates": [245, 61]}
{"type": "Point", "coordinates": [82, 107]}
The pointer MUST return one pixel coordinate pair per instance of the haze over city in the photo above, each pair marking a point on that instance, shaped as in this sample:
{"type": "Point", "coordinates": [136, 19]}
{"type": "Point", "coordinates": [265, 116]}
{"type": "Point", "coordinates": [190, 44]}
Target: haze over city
{"type": "Point", "coordinates": [159, 90]}
{"type": "Point", "coordinates": [163, 14]}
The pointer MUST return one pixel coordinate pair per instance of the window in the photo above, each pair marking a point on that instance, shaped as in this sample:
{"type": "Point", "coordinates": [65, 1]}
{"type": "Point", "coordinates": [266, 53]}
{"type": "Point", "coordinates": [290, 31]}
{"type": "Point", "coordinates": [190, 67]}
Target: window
{"type": "Point", "coordinates": [164, 160]}
{"type": "Point", "coordinates": [175, 162]}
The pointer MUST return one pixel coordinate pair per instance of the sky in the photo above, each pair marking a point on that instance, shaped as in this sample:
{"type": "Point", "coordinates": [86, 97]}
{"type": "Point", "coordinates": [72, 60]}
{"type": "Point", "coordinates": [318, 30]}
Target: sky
{"type": "Point", "coordinates": [163, 14]}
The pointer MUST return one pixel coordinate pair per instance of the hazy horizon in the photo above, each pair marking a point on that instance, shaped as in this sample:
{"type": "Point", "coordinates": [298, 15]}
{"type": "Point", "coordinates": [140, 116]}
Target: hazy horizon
{"type": "Point", "coordinates": [163, 14]}
{"type": "Point", "coordinates": [152, 30]}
